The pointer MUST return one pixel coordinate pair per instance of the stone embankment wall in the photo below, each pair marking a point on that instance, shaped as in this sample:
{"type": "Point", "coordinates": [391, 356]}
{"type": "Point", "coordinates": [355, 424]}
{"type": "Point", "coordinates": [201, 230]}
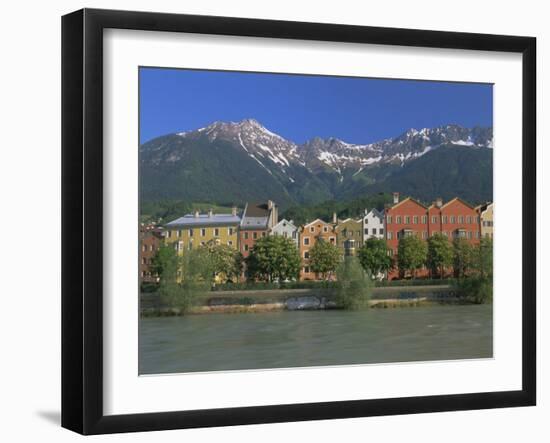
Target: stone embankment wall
{"type": "Point", "coordinates": [303, 299]}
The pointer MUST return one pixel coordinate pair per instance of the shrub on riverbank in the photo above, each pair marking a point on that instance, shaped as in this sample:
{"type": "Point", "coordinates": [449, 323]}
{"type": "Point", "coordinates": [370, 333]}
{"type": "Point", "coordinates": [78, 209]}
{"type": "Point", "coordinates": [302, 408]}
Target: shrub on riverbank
{"type": "Point", "coordinates": [475, 289]}
{"type": "Point", "coordinates": [354, 286]}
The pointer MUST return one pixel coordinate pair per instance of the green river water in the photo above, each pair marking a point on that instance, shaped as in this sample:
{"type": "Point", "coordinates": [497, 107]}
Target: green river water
{"type": "Point", "coordinates": [285, 339]}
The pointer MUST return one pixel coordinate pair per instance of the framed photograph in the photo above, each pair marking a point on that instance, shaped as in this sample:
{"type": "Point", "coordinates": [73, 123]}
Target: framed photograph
{"type": "Point", "coordinates": [269, 221]}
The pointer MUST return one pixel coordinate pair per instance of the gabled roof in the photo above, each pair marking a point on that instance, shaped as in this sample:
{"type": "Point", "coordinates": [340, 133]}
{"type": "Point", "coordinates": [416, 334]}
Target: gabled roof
{"type": "Point", "coordinates": [317, 220]}
{"type": "Point", "coordinates": [284, 220]}
{"type": "Point", "coordinates": [375, 212]}
{"type": "Point", "coordinates": [460, 200]}
{"type": "Point", "coordinates": [408, 199]}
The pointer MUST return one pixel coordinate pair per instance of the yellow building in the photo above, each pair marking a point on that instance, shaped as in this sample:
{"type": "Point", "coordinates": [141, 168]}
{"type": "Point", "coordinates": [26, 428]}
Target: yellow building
{"type": "Point", "coordinates": [486, 220]}
{"type": "Point", "coordinates": [349, 236]}
{"type": "Point", "coordinates": [194, 230]}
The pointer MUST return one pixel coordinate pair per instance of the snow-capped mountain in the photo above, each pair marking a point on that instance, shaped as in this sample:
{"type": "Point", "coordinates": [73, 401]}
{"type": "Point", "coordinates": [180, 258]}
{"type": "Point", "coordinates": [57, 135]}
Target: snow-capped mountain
{"type": "Point", "coordinates": [320, 167]}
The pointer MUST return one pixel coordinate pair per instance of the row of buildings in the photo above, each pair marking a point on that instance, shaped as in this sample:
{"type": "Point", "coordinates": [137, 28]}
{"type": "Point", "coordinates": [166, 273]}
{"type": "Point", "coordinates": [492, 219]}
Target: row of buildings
{"type": "Point", "coordinates": [456, 218]}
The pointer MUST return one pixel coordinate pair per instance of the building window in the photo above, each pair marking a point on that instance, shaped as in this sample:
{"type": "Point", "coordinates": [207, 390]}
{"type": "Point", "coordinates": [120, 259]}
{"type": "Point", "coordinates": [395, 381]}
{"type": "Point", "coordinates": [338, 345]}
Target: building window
{"type": "Point", "coordinates": [390, 235]}
{"type": "Point", "coordinates": [469, 219]}
{"type": "Point", "coordinates": [381, 231]}
{"type": "Point", "coordinates": [312, 229]}
{"type": "Point", "coordinates": [390, 252]}
{"type": "Point", "coordinates": [306, 254]}
{"type": "Point", "coordinates": [190, 233]}
{"type": "Point", "coordinates": [443, 219]}
{"type": "Point", "coordinates": [151, 248]}
{"type": "Point", "coordinates": [331, 239]}
{"type": "Point", "coordinates": [293, 234]}
{"type": "Point", "coordinates": [254, 235]}
{"type": "Point", "coordinates": [144, 248]}
{"type": "Point", "coordinates": [246, 247]}
{"type": "Point", "coordinates": [230, 243]}
{"type": "Point", "coordinates": [398, 219]}
{"type": "Point", "coordinates": [178, 233]}
{"type": "Point", "coordinates": [203, 232]}
{"type": "Point", "coordinates": [306, 269]}
{"type": "Point", "coordinates": [477, 234]}
{"type": "Point", "coordinates": [325, 228]}
{"type": "Point", "coordinates": [461, 219]}
{"type": "Point", "coordinates": [407, 220]}
{"type": "Point", "coordinates": [230, 231]}
{"type": "Point", "coordinates": [424, 219]}
{"type": "Point", "coordinates": [452, 218]}
{"type": "Point", "coordinates": [415, 219]}
{"type": "Point", "coordinates": [366, 231]}
{"type": "Point", "coordinates": [434, 219]}
{"type": "Point", "coordinates": [216, 232]}
{"type": "Point", "coordinates": [306, 241]}
{"type": "Point", "coordinates": [246, 235]}
{"type": "Point", "coordinates": [424, 234]}
{"type": "Point", "coordinates": [469, 234]}
{"type": "Point", "coordinates": [388, 219]}
{"type": "Point", "coordinates": [374, 231]}
{"type": "Point", "coordinates": [180, 246]}
{"type": "Point", "coordinates": [366, 221]}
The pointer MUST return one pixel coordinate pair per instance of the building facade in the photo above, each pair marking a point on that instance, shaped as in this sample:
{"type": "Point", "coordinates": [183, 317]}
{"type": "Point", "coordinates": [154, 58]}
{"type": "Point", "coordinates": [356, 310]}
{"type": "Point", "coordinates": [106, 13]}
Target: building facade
{"type": "Point", "coordinates": [454, 219]}
{"type": "Point", "coordinates": [349, 236]}
{"type": "Point", "coordinates": [286, 229]}
{"type": "Point", "coordinates": [310, 234]}
{"type": "Point", "coordinates": [256, 222]}
{"type": "Point", "coordinates": [486, 220]}
{"type": "Point", "coordinates": [373, 224]}
{"type": "Point", "coordinates": [150, 239]}
{"type": "Point", "coordinates": [194, 230]}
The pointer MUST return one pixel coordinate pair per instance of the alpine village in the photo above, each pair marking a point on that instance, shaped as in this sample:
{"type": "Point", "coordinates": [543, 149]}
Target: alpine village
{"type": "Point", "coordinates": [247, 258]}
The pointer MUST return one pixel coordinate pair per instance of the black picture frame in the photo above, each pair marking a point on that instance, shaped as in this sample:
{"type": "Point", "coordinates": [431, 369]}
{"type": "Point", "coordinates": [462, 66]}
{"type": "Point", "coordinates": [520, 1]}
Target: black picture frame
{"type": "Point", "coordinates": [82, 220]}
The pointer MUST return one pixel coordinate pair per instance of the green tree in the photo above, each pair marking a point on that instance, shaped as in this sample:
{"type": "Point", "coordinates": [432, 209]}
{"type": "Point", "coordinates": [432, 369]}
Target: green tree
{"type": "Point", "coordinates": [462, 257]}
{"type": "Point", "coordinates": [411, 254]}
{"type": "Point", "coordinates": [440, 254]}
{"type": "Point", "coordinates": [224, 261]}
{"type": "Point", "coordinates": [165, 262]}
{"type": "Point", "coordinates": [482, 258]}
{"type": "Point", "coordinates": [354, 284]}
{"type": "Point", "coordinates": [373, 256]}
{"type": "Point", "coordinates": [324, 258]}
{"type": "Point", "coordinates": [273, 258]}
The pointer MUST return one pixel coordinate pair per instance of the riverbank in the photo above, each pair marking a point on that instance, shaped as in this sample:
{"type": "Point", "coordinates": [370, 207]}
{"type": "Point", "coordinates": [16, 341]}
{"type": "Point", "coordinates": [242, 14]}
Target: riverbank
{"type": "Point", "coordinates": [298, 300]}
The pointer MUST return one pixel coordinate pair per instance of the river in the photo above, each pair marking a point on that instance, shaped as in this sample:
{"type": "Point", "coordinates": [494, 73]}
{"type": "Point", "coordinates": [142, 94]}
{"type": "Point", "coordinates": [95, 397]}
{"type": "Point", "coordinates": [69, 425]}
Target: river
{"type": "Point", "coordinates": [314, 338]}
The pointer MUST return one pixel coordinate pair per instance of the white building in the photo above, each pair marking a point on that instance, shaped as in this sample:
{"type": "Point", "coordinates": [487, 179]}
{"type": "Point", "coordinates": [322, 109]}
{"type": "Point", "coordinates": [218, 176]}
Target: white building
{"type": "Point", "coordinates": [373, 224]}
{"type": "Point", "coordinates": [286, 229]}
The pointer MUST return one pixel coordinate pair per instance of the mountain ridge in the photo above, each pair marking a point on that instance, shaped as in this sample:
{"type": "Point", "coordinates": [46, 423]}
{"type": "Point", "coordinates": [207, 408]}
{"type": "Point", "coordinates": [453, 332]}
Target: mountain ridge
{"type": "Point", "coordinates": [233, 160]}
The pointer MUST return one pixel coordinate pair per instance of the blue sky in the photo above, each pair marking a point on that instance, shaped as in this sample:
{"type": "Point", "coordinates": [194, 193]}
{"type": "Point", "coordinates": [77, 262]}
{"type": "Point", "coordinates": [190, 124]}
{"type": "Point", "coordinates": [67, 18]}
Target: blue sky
{"type": "Point", "coordinates": [299, 107]}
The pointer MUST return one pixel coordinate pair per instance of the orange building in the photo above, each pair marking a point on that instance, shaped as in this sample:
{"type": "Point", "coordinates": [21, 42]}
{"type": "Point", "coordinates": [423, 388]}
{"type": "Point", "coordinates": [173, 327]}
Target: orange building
{"type": "Point", "coordinates": [454, 219]}
{"type": "Point", "coordinates": [309, 235]}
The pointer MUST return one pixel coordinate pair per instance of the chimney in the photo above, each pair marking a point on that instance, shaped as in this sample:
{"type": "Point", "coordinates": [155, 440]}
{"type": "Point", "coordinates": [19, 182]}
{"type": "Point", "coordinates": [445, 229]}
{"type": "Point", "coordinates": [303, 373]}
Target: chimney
{"type": "Point", "coordinates": [234, 211]}
{"type": "Point", "coordinates": [334, 218]}
{"type": "Point", "coordinates": [210, 214]}
{"type": "Point", "coordinates": [395, 198]}
{"type": "Point", "coordinates": [439, 202]}
{"type": "Point", "coordinates": [196, 214]}
{"type": "Point", "coordinates": [366, 211]}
